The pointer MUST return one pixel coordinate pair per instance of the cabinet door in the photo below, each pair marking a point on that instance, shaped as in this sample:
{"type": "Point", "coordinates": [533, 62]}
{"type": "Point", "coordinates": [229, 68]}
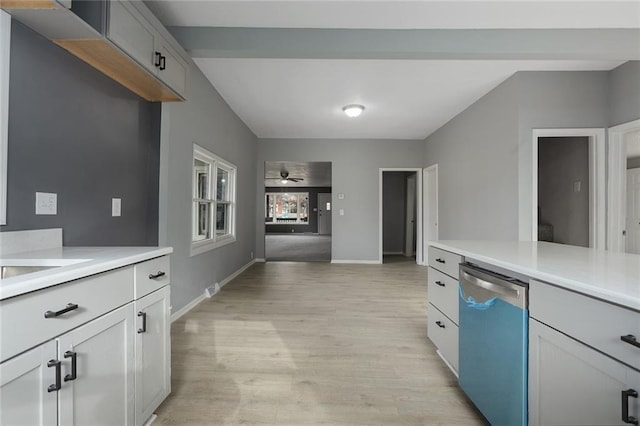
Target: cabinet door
{"type": "Point", "coordinates": [153, 352]}
{"type": "Point", "coordinates": [24, 383]}
{"type": "Point", "coordinates": [173, 71]}
{"type": "Point", "coordinates": [572, 384]}
{"type": "Point", "coordinates": [103, 389]}
{"type": "Point", "coordinates": [131, 32]}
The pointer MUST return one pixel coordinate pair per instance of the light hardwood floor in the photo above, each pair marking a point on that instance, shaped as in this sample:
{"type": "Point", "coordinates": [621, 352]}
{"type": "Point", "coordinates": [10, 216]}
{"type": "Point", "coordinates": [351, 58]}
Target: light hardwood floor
{"type": "Point", "coordinates": [313, 343]}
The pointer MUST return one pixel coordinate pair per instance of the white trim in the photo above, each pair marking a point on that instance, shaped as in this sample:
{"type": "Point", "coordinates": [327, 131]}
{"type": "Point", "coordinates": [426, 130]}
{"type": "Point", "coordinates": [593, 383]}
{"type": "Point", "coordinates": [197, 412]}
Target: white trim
{"type": "Point", "coordinates": [418, 171]}
{"type": "Point", "coordinates": [425, 260]}
{"type": "Point", "coordinates": [597, 180]}
{"type": "Point", "coordinates": [260, 260]}
{"type": "Point", "coordinates": [5, 57]}
{"type": "Point", "coordinates": [195, 302]}
{"type": "Point", "coordinates": [617, 184]}
{"type": "Point", "coordinates": [357, 262]}
{"type": "Point", "coordinates": [189, 306]}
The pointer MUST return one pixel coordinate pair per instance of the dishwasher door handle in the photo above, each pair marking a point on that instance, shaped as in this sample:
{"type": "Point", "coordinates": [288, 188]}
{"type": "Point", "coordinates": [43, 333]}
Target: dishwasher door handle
{"type": "Point", "coordinates": [506, 288]}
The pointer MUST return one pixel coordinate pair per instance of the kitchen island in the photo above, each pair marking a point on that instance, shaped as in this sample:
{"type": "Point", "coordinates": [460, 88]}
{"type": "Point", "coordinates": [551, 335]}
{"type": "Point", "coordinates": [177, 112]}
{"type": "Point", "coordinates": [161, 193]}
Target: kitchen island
{"type": "Point", "coordinates": [584, 321]}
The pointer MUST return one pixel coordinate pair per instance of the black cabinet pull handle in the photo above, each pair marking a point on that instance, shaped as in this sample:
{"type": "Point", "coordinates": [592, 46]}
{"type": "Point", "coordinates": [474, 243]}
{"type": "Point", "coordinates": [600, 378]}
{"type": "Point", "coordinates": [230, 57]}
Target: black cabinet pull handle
{"type": "Point", "coordinates": [625, 406]}
{"type": "Point", "coordinates": [440, 260]}
{"type": "Point", "coordinates": [144, 322]}
{"type": "Point", "coordinates": [70, 307]}
{"type": "Point", "coordinates": [630, 339]}
{"type": "Point", "coordinates": [440, 283]}
{"type": "Point", "coordinates": [163, 63]}
{"type": "Point", "coordinates": [158, 59]}
{"type": "Point", "coordinates": [158, 275]}
{"type": "Point", "coordinates": [440, 324]}
{"type": "Point", "coordinates": [57, 364]}
{"type": "Point", "coordinates": [74, 370]}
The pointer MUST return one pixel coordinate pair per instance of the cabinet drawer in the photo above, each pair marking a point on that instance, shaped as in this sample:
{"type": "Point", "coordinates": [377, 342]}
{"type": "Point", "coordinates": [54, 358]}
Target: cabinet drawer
{"type": "Point", "coordinates": [94, 296]}
{"type": "Point", "coordinates": [151, 275]}
{"type": "Point", "coordinates": [444, 334]}
{"type": "Point", "coordinates": [443, 293]}
{"type": "Point", "coordinates": [597, 323]}
{"type": "Point", "coordinates": [444, 261]}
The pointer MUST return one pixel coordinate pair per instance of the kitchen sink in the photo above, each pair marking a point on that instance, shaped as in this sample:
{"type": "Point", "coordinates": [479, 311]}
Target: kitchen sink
{"type": "Point", "coordinates": [14, 271]}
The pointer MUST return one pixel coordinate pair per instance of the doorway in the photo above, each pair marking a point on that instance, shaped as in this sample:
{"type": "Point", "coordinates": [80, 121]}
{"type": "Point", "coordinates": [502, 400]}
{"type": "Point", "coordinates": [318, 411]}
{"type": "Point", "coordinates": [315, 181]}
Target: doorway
{"type": "Point", "coordinates": [297, 222]}
{"type": "Point", "coordinates": [573, 186]}
{"type": "Point", "coordinates": [624, 188]}
{"type": "Point", "coordinates": [400, 215]}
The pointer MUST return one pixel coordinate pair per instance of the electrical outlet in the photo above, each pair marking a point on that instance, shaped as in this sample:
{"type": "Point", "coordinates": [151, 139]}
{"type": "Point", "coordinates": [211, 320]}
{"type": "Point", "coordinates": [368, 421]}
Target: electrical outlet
{"type": "Point", "coordinates": [116, 207]}
{"type": "Point", "coordinates": [46, 203]}
{"type": "Point", "coordinates": [341, 212]}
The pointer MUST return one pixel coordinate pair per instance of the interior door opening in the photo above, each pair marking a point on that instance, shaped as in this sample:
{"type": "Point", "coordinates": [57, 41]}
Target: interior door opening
{"type": "Point", "coordinates": [401, 208]}
{"type": "Point", "coordinates": [298, 211]}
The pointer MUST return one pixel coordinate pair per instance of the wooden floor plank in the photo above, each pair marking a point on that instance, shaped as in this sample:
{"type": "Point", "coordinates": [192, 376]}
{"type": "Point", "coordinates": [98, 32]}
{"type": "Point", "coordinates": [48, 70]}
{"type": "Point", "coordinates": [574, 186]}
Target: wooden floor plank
{"type": "Point", "coordinates": [313, 343]}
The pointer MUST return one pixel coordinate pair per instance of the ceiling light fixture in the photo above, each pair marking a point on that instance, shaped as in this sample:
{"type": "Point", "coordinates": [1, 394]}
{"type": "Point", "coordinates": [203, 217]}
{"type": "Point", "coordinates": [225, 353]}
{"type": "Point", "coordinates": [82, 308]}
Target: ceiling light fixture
{"type": "Point", "coordinates": [353, 110]}
{"type": "Point", "coordinates": [284, 181]}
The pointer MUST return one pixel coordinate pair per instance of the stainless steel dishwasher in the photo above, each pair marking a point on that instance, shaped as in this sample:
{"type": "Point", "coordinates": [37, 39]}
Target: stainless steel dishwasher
{"type": "Point", "coordinates": [493, 344]}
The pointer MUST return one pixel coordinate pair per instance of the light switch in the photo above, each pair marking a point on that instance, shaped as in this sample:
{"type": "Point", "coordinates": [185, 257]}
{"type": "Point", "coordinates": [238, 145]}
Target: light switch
{"type": "Point", "coordinates": [576, 186]}
{"type": "Point", "coordinates": [46, 203]}
{"type": "Point", "coordinates": [341, 212]}
{"type": "Point", "coordinates": [116, 207]}
{"type": "Point", "coordinates": [341, 196]}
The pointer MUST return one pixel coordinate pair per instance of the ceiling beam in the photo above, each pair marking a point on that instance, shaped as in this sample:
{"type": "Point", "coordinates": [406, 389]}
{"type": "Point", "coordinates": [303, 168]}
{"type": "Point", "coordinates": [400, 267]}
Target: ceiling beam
{"type": "Point", "coordinates": [538, 44]}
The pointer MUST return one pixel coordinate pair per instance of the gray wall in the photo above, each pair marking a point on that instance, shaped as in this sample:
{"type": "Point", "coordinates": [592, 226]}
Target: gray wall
{"type": "Point", "coordinates": [633, 163]}
{"type": "Point", "coordinates": [355, 173]}
{"type": "Point", "coordinates": [477, 157]}
{"type": "Point", "coordinates": [77, 133]}
{"type": "Point", "coordinates": [554, 99]}
{"type": "Point", "coordinates": [624, 93]}
{"type": "Point", "coordinates": [312, 226]}
{"type": "Point", "coordinates": [394, 196]}
{"type": "Point", "coordinates": [485, 153]}
{"type": "Point", "coordinates": [207, 120]}
{"type": "Point", "coordinates": [561, 163]}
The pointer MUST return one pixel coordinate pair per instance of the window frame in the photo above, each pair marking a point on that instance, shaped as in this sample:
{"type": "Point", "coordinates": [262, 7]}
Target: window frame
{"type": "Point", "coordinates": [200, 243]}
{"type": "Point", "coordinates": [298, 201]}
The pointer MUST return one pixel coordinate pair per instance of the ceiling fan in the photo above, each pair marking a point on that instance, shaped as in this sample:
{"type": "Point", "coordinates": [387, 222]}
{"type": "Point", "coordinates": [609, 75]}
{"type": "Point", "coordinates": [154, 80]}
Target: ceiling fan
{"type": "Point", "coordinates": [284, 177]}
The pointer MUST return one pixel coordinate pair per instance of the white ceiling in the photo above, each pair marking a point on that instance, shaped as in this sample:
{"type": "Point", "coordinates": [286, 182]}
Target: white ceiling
{"type": "Point", "coordinates": [404, 99]}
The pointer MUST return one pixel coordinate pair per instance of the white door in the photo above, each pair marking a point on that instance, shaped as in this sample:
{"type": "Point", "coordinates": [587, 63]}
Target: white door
{"type": "Point", "coordinates": [410, 220]}
{"type": "Point", "coordinates": [430, 206]}
{"type": "Point", "coordinates": [24, 384]}
{"type": "Point", "coordinates": [153, 356]}
{"type": "Point", "coordinates": [324, 214]}
{"type": "Point", "coordinates": [633, 211]}
{"type": "Point", "coordinates": [102, 391]}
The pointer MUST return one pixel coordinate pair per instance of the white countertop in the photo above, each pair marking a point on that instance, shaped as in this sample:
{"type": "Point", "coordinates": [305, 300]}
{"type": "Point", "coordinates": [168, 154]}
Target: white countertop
{"type": "Point", "coordinates": [72, 263]}
{"type": "Point", "coordinates": [614, 277]}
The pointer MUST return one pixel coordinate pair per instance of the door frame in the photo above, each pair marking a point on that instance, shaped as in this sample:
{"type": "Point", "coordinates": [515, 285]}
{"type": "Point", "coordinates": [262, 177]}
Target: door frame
{"type": "Point", "coordinates": [617, 184]}
{"type": "Point", "coordinates": [597, 197]}
{"type": "Point", "coordinates": [418, 171]}
{"type": "Point", "coordinates": [425, 201]}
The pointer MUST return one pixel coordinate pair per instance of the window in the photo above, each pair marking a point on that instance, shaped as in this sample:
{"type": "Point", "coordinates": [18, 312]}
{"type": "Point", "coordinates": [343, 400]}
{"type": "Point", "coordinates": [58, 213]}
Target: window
{"type": "Point", "coordinates": [213, 201]}
{"type": "Point", "coordinates": [5, 39]}
{"type": "Point", "coordinates": [287, 207]}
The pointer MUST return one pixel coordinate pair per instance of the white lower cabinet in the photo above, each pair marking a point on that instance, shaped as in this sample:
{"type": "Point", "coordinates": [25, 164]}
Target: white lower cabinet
{"type": "Point", "coordinates": [573, 384]}
{"type": "Point", "coordinates": [24, 382]}
{"type": "Point", "coordinates": [153, 359]}
{"type": "Point", "coordinates": [100, 390]}
{"type": "Point", "coordinates": [105, 357]}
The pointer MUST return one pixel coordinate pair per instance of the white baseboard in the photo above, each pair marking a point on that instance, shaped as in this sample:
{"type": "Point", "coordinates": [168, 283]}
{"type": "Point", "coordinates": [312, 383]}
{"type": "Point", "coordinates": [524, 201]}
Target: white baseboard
{"type": "Point", "coordinates": [361, 262]}
{"type": "Point", "coordinates": [189, 306]}
{"type": "Point", "coordinates": [260, 260]}
{"type": "Point", "coordinates": [195, 302]}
